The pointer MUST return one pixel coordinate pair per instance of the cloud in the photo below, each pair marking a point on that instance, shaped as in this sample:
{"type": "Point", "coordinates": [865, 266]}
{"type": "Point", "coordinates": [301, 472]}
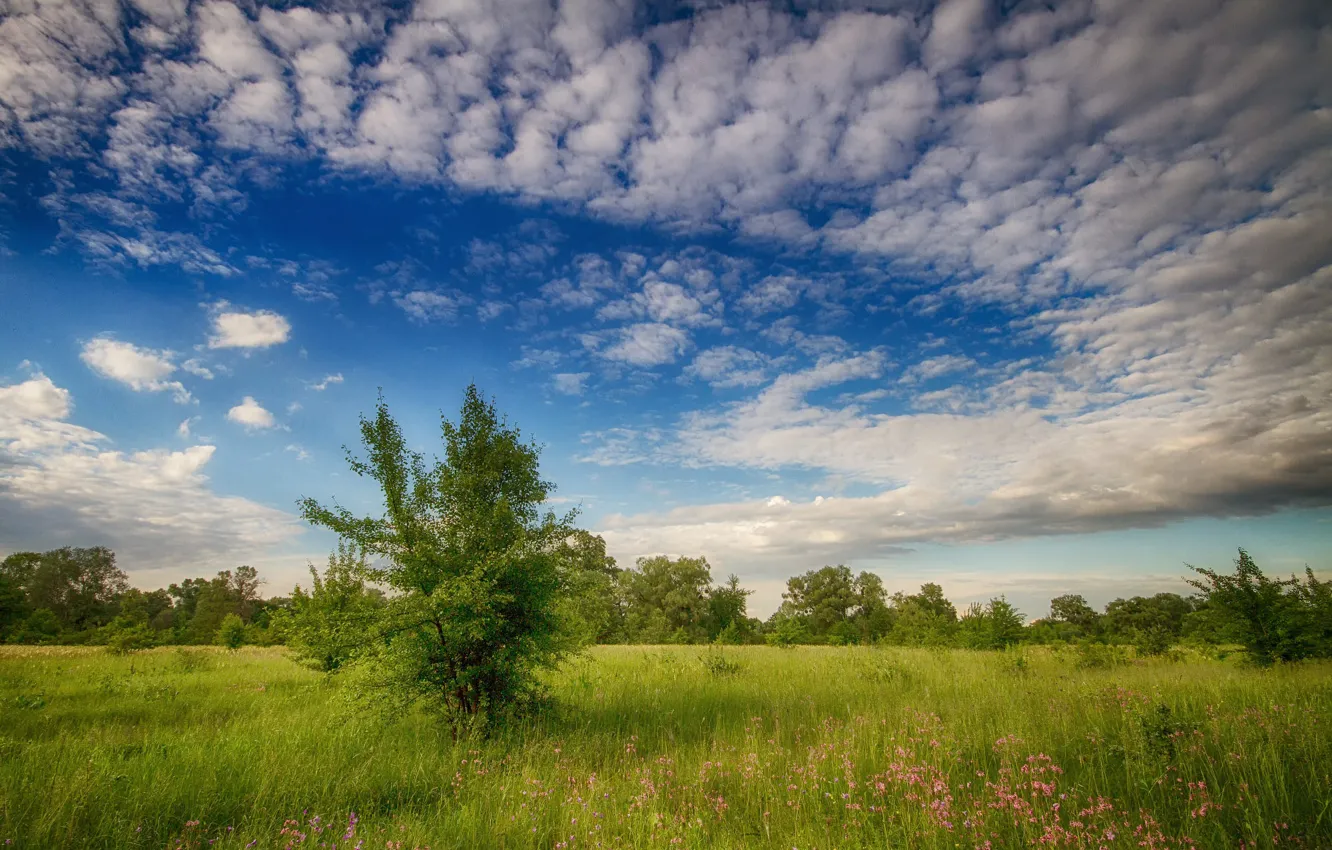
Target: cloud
{"type": "Point", "coordinates": [250, 414]}
{"type": "Point", "coordinates": [183, 429]}
{"type": "Point", "coordinates": [300, 452]}
{"type": "Point", "coordinates": [328, 381]}
{"type": "Point", "coordinates": [238, 329]}
{"type": "Point", "coordinates": [37, 398]}
{"type": "Point", "coordinates": [663, 302]}
{"type": "Point", "coordinates": [647, 344]}
{"type": "Point", "coordinates": [1122, 213]}
{"type": "Point", "coordinates": [140, 369]}
{"type": "Point", "coordinates": [728, 366]}
{"type": "Point", "coordinates": [196, 368]}
{"type": "Point", "coordinates": [424, 305]}
{"type": "Point", "coordinates": [63, 484]}
{"type": "Point", "coordinates": [936, 367]}
{"type": "Point", "coordinates": [570, 383]}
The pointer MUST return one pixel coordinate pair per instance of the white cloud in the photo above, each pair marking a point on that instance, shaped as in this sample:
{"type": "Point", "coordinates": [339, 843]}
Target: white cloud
{"type": "Point", "coordinates": [424, 305]}
{"type": "Point", "coordinates": [663, 302]}
{"type": "Point", "coordinates": [937, 367]}
{"type": "Point", "coordinates": [140, 369]}
{"type": "Point", "coordinates": [250, 414]}
{"type": "Point", "coordinates": [238, 329]}
{"type": "Point", "coordinates": [328, 381]}
{"type": "Point", "coordinates": [1142, 197]}
{"type": "Point", "coordinates": [729, 366]}
{"type": "Point", "coordinates": [195, 367]}
{"type": "Point", "coordinates": [183, 429]}
{"type": "Point", "coordinates": [571, 383]}
{"type": "Point", "coordinates": [647, 344]}
{"type": "Point", "coordinates": [61, 483]}
{"type": "Point", "coordinates": [37, 398]}
{"type": "Point", "coordinates": [299, 451]}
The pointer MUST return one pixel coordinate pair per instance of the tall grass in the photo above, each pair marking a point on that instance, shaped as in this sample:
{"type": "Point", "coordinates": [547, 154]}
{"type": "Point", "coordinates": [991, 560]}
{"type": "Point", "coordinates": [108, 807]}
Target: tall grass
{"type": "Point", "coordinates": [812, 747]}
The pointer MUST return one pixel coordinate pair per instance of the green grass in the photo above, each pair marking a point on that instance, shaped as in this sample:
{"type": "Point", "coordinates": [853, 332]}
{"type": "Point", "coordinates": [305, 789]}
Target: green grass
{"type": "Point", "coordinates": [655, 747]}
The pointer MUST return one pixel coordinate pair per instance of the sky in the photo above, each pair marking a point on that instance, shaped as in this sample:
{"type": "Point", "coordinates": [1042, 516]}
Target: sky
{"type": "Point", "coordinates": [1020, 298]}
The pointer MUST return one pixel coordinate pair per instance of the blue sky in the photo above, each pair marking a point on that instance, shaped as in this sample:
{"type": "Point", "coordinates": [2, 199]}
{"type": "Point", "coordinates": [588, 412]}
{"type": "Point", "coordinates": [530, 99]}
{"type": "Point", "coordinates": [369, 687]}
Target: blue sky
{"type": "Point", "coordinates": [1018, 300]}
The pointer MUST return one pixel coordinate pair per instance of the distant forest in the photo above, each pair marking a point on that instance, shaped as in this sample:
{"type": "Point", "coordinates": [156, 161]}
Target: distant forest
{"type": "Point", "coordinates": [75, 596]}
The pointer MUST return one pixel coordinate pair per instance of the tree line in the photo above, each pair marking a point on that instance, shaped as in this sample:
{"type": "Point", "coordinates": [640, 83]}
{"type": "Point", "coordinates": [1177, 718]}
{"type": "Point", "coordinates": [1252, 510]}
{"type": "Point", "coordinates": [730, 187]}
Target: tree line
{"type": "Point", "coordinates": [80, 596]}
{"type": "Point", "coordinates": [467, 586]}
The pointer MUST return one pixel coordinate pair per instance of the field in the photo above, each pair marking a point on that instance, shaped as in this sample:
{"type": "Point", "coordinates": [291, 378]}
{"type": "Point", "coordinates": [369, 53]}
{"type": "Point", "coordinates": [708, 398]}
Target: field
{"type": "Point", "coordinates": [812, 747]}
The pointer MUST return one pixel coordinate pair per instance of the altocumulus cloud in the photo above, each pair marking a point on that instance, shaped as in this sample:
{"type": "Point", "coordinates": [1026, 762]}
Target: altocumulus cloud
{"type": "Point", "coordinates": [1140, 190]}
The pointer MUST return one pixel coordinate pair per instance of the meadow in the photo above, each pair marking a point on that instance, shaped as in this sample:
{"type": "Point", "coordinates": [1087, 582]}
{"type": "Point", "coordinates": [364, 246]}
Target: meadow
{"type": "Point", "coordinates": [806, 747]}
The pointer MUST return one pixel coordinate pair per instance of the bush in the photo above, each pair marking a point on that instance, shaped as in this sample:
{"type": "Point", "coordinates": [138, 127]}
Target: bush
{"type": "Point", "coordinates": [326, 627]}
{"type": "Point", "coordinates": [1151, 642]}
{"type": "Point", "coordinates": [1091, 656]}
{"type": "Point", "coordinates": [1274, 619]}
{"type": "Point", "coordinates": [127, 639]}
{"type": "Point", "coordinates": [41, 626]}
{"type": "Point", "coordinates": [231, 633]}
{"type": "Point", "coordinates": [717, 664]}
{"type": "Point", "coordinates": [788, 631]}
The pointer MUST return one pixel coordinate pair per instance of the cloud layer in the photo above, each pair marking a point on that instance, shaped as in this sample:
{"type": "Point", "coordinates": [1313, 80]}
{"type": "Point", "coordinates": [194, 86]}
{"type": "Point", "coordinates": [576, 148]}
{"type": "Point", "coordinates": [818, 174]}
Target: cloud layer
{"type": "Point", "coordinates": [1136, 195]}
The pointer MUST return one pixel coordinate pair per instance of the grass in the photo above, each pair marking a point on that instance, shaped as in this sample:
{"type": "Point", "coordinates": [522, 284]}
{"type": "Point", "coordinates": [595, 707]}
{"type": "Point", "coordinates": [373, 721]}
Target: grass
{"type": "Point", "coordinates": [812, 747]}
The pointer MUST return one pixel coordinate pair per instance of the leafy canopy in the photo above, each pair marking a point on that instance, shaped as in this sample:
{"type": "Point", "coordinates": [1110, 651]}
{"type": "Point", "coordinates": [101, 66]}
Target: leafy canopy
{"type": "Point", "coordinates": [473, 562]}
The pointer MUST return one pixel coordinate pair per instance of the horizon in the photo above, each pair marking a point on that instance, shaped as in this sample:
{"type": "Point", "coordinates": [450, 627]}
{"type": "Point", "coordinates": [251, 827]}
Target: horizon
{"type": "Point", "coordinates": [1021, 302]}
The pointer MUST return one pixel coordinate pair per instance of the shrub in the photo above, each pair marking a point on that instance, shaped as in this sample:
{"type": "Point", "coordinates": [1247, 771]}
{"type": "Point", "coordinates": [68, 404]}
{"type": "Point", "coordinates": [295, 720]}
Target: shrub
{"type": "Point", "coordinates": [1275, 619]}
{"type": "Point", "coordinates": [127, 639]}
{"type": "Point", "coordinates": [717, 664]}
{"type": "Point", "coordinates": [231, 633]}
{"type": "Point", "coordinates": [327, 626]}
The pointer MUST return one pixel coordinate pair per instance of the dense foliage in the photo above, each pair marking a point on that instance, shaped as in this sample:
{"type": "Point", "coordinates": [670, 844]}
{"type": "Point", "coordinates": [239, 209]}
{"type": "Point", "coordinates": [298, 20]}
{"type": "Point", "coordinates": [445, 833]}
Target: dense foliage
{"type": "Point", "coordinates": [471, 562]}
{"type": "Point", "coordinates": [660, 600]}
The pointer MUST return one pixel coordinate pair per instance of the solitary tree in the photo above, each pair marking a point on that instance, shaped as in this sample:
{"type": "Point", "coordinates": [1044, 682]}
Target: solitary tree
{"type": "Point", "coordinates": [473, 562]}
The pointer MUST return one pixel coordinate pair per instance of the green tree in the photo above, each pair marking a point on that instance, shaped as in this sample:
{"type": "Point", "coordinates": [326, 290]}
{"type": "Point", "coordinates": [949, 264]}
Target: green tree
{"type": "Point", "coordinates": [1275, 619]}
{"type": "Point", "coordinates": [1150, 623]}
{"type": "Point", "coordinates": [995, 625]}
{"type": "Point", "coordinates": [1073, 609]}
{"type": "Point", "coordinates": [150, 608]}
{"type": "Point", "coordinates": [13, 602]}
{"type": "Point", "coordinates": [340, 615]}
{"type": "Point", "coordinates": [926, 618]}
{"type": "Point", "coordinates": [474, 564]}
{"type": "Point", "coordinates": [873, 617]}
{"type": "Point", "coordinates": [666, 600]}
{"type": "Point", "coordinates": [728, 612]}
{"type": "Point", "coordinates": [41, 626]}
{"type": "Point", "coordinates": [79, 586]}
{"type": "Point", "coordinates": [213, 602]}
{"type": "Point", "coordinates": [787, 630]}
{"type": "Point", "coordinates": [231, 633]}
{"type": "Point", "coordinates": [823, 600]}
{"type": "Point", "coordinates": [591, 606]}
{"type": "Point", "coordinates": [185, 598]}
